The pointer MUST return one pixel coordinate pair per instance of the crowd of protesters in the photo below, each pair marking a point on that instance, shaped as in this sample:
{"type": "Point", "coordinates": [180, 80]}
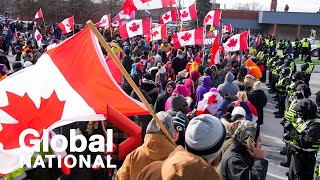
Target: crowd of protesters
{"type": "Point", "coordinates": [222, 142]}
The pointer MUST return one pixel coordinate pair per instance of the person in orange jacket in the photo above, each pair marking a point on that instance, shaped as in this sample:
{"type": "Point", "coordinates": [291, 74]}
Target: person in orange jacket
{"type": "Point", "coordinates": [253, 69]}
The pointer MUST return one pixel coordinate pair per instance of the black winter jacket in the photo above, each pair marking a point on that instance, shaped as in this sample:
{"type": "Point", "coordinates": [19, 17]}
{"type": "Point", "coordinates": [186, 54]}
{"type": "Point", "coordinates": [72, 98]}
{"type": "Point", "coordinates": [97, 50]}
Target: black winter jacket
{"type": "Point", "coordinates": [238, 164]}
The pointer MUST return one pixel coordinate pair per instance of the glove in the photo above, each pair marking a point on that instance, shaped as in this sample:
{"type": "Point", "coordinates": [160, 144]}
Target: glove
{"type": "Point", "coordinates": [288, 126]}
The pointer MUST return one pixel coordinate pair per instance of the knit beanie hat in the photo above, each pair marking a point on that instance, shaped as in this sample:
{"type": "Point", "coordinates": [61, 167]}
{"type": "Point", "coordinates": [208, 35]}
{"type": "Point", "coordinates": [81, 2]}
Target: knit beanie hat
{"type": "Point", "coordinates": [179, 122]}
{"type": "Point", "coordinates": [205, 136]}
{"type": "Point", "coordinates": [238, 110]}
{"type": "Point", "coordinates": [257, 85]}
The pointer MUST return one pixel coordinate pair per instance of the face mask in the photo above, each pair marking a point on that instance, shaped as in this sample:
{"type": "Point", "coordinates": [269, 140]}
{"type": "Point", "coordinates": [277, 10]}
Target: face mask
{"type": "Point", "coordinates": [299, 95]}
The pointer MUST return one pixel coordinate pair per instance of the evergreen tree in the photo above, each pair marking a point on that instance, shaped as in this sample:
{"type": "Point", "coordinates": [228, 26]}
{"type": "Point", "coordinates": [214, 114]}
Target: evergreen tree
{"type": "Point", "coordinates": [203, 7]}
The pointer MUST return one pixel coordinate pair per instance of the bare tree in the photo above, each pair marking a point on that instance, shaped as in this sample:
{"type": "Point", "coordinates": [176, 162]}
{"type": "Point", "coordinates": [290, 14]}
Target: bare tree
{"type": "Point", "coordinates": [254, 6]}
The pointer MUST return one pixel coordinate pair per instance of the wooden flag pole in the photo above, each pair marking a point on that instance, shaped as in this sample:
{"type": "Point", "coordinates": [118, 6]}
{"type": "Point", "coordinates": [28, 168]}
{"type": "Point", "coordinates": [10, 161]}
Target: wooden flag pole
{"type": "Point", "coordinates": [128, 78]}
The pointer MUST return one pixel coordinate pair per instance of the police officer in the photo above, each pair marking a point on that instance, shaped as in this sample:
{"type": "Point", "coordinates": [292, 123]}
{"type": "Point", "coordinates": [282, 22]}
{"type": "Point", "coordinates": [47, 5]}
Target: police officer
{"type": "Point", "coordinates": [307, 69]}
{"type": "Point", "coordinates": [306, 47]}
{"type": "Point", "coordinates": [275, 65]}
{"type": "Point", "coordinates": [284, 81]}
{"type": "Point", "coordinates": [296, 48]}
{"type": "Point", "coordinates": [290, 114]}
{"type": "Point", "coordinates": [306, 137]}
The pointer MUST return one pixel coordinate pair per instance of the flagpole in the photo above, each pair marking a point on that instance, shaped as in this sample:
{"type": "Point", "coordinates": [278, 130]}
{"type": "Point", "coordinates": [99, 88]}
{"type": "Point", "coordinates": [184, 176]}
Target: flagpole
{"type": "Point", "coordinates": [128, 78]}
{"type": "Point", "coordinates": [44, 24]}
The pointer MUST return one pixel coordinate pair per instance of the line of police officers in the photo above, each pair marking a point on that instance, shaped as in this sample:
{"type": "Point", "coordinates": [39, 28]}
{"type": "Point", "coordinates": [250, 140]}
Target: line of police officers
{"type": "Point", "coordinates": [300, 115]}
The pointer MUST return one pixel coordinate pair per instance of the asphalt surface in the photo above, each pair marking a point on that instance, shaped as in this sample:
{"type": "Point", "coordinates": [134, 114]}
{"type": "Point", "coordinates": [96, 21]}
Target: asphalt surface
{"type": "Point", "coordinates": [272, 131]}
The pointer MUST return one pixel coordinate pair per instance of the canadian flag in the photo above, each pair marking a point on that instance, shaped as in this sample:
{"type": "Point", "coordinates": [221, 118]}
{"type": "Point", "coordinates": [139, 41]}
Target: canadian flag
{"type": "Point", "coordinates": [131, 5]}
{"type": "Point", "coordinates": [135, 28]}
{"type": "Point", "coordinates": [123, 16]}
{"type": "Point", "coordinates": [159, 32]}
{"type": "Point", "coordinates": [38, 14]}
{"type": "Point", "coordinates": [168, 17]}
{"type": "Point", "coordinates": [38, 37]}
{"type": "Point", "coordinates": [15, 35]}
{"type": "Point", "coordinates": [116, 23]}
{"type": "Point", "coordinates": [67, 25]}
{"type": "Point", "coordinates": [226, 28]}
{"type": "Point", "coordinates": [184, 38]}
{"type": "Point", "coordinates": [237, 42]}
{"type": "Point", "coordinates": [212, 18]}
{"type": "Point", "coordinates": [210, 103]}
{"type": "Point", "coordinates": [258, 41]}
{"type": "Point", "coordinates": [63, 87]}
{"type": "Point", "coordinates": [215, 56]}
{"type": "Point", "coordinates": [188, 13]}
{"type": "Point", "coordinates": [104, 22]}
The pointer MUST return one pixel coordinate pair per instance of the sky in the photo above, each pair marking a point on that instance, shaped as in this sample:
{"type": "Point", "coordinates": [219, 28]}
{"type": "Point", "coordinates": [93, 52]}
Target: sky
{"type": "Point", "coordinates": [294, 5]}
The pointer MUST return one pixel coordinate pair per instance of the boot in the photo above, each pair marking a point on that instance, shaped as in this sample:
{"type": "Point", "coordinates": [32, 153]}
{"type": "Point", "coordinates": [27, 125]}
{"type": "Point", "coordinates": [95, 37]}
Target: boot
{"type": "Point", "coordinates": [284, 164]}
{"type": "Point", "coordinates": [283, 151]}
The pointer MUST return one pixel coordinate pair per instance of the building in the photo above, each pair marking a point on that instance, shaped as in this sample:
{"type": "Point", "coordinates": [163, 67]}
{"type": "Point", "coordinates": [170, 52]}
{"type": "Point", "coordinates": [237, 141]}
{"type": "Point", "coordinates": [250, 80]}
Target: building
{"type": "Point", "coordinates": [282, 25]}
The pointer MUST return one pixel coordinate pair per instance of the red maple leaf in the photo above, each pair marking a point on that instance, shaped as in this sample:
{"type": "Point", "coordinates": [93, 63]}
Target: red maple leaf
{"type": "Point", "coordinates": [104, 21]}
{"type": "Point", "coordinates": [144, 1]}
{"type": "Point", "coordinates": [186, 36]}
{"type": "Point", "coordinates": [155, 33]}
{"type": "Point", "coordinates": [166, 16]}
{"type": "Point", "coordinates": [184, 14]}
{"type": "Point", "coordinates": [134, 27]}
{"type": "Point", "coordinates": [38, 37]}
{"type": "Point", "coordinates": [212, 99]}
{"type": "Point", "coordinates": [232, 42]}
{"type": "Point", "coordinates": [28, 115]}
{"type": "Point", "coordinates": [207, 18]}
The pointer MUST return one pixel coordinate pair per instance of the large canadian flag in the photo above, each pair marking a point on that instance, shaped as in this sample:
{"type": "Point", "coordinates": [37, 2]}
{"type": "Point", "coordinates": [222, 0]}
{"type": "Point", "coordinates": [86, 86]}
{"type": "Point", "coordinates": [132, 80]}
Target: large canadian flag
{"type": "Point", "coordinates": [212, 18]}
{"type": "Point", "coordinates": [168, 17]}
{"type": "Point", "coordinates": [38, 37]}
{"type": "Point", "coordinates": [226, 28]}
{"type": "Point", "coordinates": [215, 55]}
{"type": "Point", "coordinates": [135, 28]}
{"type": "Point", "coordinates": [237, 42]}
{"type": "Point", "coordinates": [67, 25]}
{"type": "Point", "coordinates": [38, 14]}
{"type": "Point", "coordinates": [159, 32]}
{"type": "Point", "coordinates": [124, 16]}
{"type": "Point", "coordinates": [104, 22]}
{"type": "Point", "coordinates": [189, 13]}
{"type": "Point", "coordinates": [63, 87]}
{"type": "Point", "coordinates": [131, 5]}
{"type": "Point", "coordinates": [184, 38]}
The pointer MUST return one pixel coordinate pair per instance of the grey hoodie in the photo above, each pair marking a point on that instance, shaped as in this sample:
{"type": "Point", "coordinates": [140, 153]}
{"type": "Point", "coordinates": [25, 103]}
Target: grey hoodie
{"type": "Point", "coordinates": [228, 87]}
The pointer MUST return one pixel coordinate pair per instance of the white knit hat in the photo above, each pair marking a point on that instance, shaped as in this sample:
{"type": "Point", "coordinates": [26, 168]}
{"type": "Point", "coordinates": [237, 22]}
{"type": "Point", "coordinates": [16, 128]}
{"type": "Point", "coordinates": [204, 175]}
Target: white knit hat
{"type": "Point", "coordinates": [238, 110]}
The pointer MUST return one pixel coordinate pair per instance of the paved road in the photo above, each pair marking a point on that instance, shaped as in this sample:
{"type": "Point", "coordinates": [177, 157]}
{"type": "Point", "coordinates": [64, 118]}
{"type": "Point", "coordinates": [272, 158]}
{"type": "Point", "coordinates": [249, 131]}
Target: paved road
{"type": "Point", "coordinates": [272, 132]}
